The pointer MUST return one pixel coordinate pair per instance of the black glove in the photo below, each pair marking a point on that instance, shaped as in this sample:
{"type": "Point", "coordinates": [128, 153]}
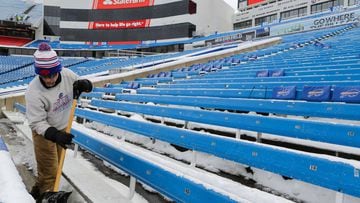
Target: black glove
{"type": "Point", "coordinates": [80, 86]}
{"type": "Point", "coordinates": [59, 137]}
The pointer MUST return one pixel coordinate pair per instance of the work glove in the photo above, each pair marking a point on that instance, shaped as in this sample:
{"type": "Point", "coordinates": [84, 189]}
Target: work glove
{"type": "Point", "coordinates": [59, 137]}
{"type": "Point", "coordinates": [80, 86]}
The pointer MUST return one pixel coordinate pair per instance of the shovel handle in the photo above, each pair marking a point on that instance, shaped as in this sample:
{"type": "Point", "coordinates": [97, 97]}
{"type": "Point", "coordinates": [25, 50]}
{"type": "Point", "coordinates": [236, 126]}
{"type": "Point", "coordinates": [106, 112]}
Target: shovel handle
{"type": "Point", "coordinates": [62, 152]}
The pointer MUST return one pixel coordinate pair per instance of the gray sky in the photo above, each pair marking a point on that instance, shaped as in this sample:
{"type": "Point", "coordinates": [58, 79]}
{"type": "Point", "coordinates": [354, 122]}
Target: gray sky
{"type": "Point", "coordinates": [232, 3]}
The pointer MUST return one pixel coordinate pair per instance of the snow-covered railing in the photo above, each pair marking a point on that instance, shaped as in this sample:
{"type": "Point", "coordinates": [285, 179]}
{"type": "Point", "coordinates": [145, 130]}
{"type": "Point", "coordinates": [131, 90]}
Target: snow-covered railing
{"type": "Point", "coordinates": [107, 90]}
{"type": "Point", "coordinates": [338, 77]}
{"type": "Point", "coordinates": [308, 167]}
{"type": "Point", "coordinates": [224, 93]}
{"type": "Point", "coordinates": [293, 107]}
{"type": "Point", "coordinates": [302, 129]}
{"type": "Point", "coordinates": [320, 70]}
{"type": "Point", "coordinates": [93, 94]}
{"type": "Point", "coordinates": [12, 188]}
{"type": "Point", "coordinates": [254, 85]}
{"type": "Point", "coordinates": [297, 63]}
{"type": "Point", "coordinates": [301, 65]}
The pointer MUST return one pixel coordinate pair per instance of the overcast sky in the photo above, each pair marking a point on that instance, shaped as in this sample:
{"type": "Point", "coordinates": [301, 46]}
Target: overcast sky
{"type": "Point", "coordinates": [232, 3]}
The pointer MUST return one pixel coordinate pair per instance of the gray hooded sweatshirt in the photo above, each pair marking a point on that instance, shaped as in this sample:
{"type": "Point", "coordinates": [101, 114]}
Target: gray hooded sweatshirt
{"type": "Point", "coordinates": [50, 107]}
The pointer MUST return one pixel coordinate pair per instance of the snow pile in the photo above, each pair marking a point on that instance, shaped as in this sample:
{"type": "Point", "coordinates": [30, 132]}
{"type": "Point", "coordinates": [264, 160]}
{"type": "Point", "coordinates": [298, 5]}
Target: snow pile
{"type": "Point", "coordinates": [12, 188]}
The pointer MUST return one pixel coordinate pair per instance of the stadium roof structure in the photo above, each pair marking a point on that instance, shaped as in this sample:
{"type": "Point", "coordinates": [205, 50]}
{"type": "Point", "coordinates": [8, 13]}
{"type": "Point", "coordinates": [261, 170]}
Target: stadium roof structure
{"type": "Point", "coordinates": [22, 12]}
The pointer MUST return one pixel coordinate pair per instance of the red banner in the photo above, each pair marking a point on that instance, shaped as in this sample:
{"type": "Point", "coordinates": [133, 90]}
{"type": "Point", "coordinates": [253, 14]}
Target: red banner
{"type": "Point", "coordinates": [121, 24]}
{"type": "Point", "coordinates": [118, 4]}
{"type": "Point", "coordinates": [250, 2]}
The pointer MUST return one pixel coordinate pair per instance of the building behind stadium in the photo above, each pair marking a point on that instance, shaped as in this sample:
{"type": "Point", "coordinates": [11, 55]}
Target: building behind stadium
{"type": "Point", "coordinates": [133, 21]}
{"type": "Point", "coordinates": [263, 12]}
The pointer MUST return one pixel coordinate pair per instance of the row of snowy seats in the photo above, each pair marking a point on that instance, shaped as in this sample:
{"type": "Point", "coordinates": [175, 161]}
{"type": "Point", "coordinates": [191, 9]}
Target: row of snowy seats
{"type": "Point", "coordinates": [176, 180]}
{"type": "Point", "coordinates": [215, 65]}
{"type": "Point", "coordinates": [305, 54]}
{"type": "Point", "coordinates": [326, 93]}
{"type": "Point", "coordinates": [19, 74]}
{"type": "Point", "coordinates": [328, 70]}
{"type": "Point", "coordinates": [293, 45]}
{"type": "Point", "coordinates": [302, 166]}
{"type": "Point", "coordinates": [300, 63]}
{"type": "Point", "coordinates": [255, 85]}
{"type": "Point", "coordinates": [298, 66]}
{"type": "Point", "coordinates": [314, 109]}
{"type": "Point", "coordinates": [309, 54]}
{"type": "Point", "coordinates": [350, 72]}
{"type": "Point", "coordinates": [22, 73]}
{"type": "Point", "coordinates": [262, 76]}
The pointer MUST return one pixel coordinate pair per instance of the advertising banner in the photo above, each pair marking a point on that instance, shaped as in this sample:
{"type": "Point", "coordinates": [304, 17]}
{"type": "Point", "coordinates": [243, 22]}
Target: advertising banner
{"type": "Point", "coordinates": [326, 21]}
{"type": "Point", "coordinates": [250, 2]}
{"type": "Point", "coordinates": [334, 20]}
{"type": "Point", "coordinates": [120, 24]}
{"type": "Point", "coordinates": [225, 39]}
{"type": "Point", "coordinates": [118, 4]}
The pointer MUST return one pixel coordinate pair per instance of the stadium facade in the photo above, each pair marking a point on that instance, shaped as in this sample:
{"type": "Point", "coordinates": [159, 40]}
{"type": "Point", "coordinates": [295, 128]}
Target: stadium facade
{"type": "Point", "coordinates": [133, 21]}
{"type": "Point", "coordinates": [262, 12]}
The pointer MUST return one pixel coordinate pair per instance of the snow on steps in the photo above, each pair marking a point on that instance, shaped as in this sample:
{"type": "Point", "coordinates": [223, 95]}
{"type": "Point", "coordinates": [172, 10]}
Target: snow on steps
{"type": "Point", "coordinates": [12, 188]}
{"type": "Point", "coordinates": [92, 185]}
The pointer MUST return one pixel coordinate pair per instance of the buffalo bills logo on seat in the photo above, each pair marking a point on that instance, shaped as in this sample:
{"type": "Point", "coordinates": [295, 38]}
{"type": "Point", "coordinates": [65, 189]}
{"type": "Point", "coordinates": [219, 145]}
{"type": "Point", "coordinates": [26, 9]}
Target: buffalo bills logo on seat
{"type": "Point", "coordinates": [350, 93]}
{"type": "Point", "coordinates": [262, 73]}
{"type": "Point", "coordinates": [316, 93]}
{"type": "Point", "coordinates": [284, 92]}
{"type": "Point", "coordinates": [288, 92]}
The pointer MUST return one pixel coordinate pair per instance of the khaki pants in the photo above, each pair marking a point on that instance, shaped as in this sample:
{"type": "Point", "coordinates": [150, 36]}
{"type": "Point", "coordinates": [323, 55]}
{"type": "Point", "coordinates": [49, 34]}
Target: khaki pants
{"type": "Point", "coordinates": [47, 155]}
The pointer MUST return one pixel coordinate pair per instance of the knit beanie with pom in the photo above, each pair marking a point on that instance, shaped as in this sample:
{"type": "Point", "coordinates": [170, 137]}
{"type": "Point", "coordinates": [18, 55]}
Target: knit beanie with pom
{"type": "Point", "coordinates": [46, 61]}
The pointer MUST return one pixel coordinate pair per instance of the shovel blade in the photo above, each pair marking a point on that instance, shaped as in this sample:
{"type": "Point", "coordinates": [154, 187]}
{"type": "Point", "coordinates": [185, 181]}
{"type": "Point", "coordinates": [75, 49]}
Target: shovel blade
{"type": "Point", "coordinates": [54, 197]}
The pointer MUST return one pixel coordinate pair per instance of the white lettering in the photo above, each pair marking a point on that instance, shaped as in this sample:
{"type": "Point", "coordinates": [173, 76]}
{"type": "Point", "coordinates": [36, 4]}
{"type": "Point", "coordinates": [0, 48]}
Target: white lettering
{"type": "Point", "coordinates": [122, 2]}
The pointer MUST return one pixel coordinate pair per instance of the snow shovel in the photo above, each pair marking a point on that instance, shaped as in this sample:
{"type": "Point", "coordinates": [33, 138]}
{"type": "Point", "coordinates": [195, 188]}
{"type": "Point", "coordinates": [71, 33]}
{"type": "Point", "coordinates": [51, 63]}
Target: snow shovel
{"type": "Point", "coordinates": [57, 196]}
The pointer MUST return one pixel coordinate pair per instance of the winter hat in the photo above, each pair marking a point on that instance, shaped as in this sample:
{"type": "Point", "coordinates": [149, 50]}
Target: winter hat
{"type": "Point", "coordinates": [46, 60]}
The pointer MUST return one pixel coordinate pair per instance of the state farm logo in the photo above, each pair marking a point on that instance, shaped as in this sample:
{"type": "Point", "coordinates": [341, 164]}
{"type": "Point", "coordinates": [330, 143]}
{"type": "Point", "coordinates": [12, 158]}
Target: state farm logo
{"type": "Point", "coordinates": [120, 2]}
